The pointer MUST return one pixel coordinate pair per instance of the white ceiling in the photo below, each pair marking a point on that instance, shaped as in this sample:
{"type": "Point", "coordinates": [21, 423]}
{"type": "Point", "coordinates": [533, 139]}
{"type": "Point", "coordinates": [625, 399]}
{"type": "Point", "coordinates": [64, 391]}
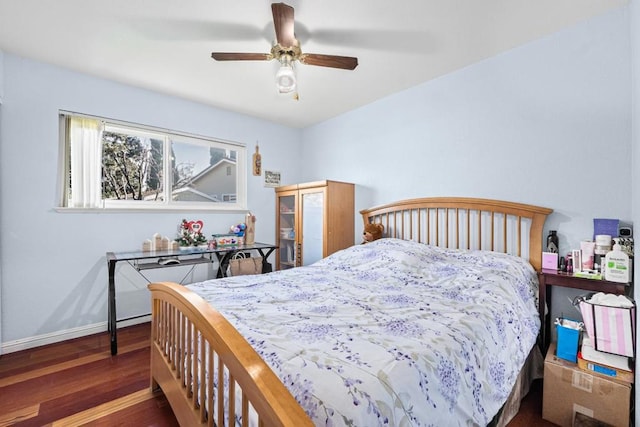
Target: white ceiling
{"type": "Point", "coordinates": [166, 45]}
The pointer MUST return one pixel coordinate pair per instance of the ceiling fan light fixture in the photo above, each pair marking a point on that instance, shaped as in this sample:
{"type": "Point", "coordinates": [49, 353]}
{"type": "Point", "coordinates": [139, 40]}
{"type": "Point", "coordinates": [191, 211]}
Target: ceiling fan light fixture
{"type": "Point", "coordinates": [286, 76]}
{"type": "Point", "coordinates": [286, 50]}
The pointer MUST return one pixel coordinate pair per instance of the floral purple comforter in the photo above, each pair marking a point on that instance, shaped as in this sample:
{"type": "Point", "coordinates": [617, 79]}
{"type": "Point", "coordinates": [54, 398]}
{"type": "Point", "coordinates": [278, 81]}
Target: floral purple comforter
{"type": "Point", "coordinates": [390, 333]}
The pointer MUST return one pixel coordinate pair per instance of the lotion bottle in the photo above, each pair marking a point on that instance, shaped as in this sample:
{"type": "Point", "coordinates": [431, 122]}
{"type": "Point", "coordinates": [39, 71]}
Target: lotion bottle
{"type": "Point", "coordinates": [617, 267]}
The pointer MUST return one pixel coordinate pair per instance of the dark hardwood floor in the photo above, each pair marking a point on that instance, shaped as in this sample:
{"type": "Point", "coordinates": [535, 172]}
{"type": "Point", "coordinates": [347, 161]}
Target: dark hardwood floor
{"type": "Point", "coordinates": [78, 382]}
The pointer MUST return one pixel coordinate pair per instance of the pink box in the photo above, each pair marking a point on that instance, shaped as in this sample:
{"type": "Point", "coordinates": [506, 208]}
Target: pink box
{"type": "Point", "coordinates": [549, 261]}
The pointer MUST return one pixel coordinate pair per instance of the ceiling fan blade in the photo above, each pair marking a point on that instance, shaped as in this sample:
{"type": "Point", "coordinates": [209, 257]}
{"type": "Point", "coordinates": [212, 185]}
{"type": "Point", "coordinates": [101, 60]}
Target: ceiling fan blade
{"type": "Point", "coordinates": [333, 61]}
{"type": "Point", "coordinates": [283, 24]}
{"type": "Point", "coordinates": [230, 56]}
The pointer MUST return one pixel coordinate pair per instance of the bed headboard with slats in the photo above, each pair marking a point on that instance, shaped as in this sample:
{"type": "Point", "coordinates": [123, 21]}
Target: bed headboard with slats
{"type": "Point", "coordinates": [465, 223]}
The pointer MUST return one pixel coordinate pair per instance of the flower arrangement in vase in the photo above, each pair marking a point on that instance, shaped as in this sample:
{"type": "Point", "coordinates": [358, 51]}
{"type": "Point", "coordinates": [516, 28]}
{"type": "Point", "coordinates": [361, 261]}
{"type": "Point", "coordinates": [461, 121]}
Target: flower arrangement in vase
{"type": "Point", "coordinates": [190, 234]}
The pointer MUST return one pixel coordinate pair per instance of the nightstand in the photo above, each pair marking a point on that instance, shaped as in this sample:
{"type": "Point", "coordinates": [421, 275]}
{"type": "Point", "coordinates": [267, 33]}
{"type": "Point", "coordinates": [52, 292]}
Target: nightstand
{"type": "Point", "coordinates": [550, 278]}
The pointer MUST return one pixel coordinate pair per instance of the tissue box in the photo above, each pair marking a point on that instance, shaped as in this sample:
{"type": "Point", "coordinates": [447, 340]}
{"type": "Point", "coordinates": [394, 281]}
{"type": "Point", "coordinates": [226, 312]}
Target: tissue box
{"type": "Point", "coordinates": [568, 338]}
{"type": "Point", "coordinates": [549, 261]}
{"type": "Point", "coordinates": [225, 240]}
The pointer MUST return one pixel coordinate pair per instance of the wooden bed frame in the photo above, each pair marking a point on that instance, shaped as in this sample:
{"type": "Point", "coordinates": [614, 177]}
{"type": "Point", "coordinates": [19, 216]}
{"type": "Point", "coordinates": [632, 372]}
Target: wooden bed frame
{"type": "Point", "coordinates": [186, 330]}
{"type": "Point", "coordinates": [466, 223]}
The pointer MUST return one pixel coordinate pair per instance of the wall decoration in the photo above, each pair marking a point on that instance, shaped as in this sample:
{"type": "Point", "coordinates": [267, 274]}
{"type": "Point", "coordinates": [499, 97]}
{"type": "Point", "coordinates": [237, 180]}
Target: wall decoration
{"type": "Point", "coordinates": [257, 162]}
{"type": "Point", "coordinates": [271, 178]}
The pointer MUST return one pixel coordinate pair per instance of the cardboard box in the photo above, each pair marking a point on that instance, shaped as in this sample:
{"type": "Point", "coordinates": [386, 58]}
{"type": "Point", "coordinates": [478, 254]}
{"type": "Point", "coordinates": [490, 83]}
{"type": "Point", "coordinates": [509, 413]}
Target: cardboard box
{"type": "Point", "coordinates": [601, 363]}
{"type": "Point", "coordinates": [607, 371]}
{"type": "Point", "coordinates": [568, 390]}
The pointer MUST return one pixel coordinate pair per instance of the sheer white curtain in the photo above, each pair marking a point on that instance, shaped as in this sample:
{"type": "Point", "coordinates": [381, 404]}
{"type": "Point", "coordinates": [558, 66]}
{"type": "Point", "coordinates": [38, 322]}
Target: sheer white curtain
{"type": "Point", "coordinates": [85, 136]}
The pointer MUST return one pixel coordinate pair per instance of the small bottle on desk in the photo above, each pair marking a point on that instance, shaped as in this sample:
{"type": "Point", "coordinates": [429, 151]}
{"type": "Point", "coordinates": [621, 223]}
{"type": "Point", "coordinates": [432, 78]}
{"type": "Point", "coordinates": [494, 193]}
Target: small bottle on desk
{"type": "Point", "coordinates": [569, 266]}
{"type": "Point", "coordinates": [616, 265]}
{"type": "Point", "coordinates": [552, 242]}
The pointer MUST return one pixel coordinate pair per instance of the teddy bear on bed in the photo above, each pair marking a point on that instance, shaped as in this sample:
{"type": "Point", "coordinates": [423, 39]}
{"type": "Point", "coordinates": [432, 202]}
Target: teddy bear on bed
{"type": "Point", "coordinates": [372, 232]}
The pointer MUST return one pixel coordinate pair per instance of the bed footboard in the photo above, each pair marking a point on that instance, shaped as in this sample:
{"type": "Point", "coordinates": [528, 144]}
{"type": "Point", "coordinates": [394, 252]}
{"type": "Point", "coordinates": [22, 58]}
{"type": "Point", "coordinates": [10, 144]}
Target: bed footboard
{"type": "Point", "coordinates": [208, 371]}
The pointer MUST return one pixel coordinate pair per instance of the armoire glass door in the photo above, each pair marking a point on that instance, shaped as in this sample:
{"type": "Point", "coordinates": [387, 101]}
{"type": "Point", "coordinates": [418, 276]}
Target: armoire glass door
{"type": "Point", "coordinates": [312, 208]}
{"type": "Point", "coordinates": [287, 223]}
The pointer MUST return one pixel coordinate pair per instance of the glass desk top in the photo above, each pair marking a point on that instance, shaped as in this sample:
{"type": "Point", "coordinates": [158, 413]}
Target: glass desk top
{"type": "Point", "coordinates": [138, 255]}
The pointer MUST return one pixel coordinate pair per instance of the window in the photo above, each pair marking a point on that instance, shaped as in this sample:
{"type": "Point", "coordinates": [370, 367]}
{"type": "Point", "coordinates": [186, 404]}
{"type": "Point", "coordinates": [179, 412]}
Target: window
{"type": "Point", "coordinates": [115, 165]}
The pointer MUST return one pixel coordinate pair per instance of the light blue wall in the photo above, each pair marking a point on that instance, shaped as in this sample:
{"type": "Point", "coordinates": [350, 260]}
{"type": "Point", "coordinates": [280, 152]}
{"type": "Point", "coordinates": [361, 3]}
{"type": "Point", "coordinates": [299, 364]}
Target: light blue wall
{"type": "Point", "coordinates": [1, 76]}
{"type": "Point", "coordinates": [547, 123]}
{"type": "Point", "coordinates": [53, 265]}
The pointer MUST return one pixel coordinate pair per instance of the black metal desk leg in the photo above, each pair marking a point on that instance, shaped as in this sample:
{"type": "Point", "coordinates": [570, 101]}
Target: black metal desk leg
{"type": "Point", "coordinates": [266, 267]}
{"type": "Point", "coordinates": [112, 324]}
{"type": "Point", "coordinates": [223, 263]}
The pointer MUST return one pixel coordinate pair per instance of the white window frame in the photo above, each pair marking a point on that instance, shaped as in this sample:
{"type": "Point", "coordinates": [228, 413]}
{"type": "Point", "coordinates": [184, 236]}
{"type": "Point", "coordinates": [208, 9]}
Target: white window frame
{"type": "Point", "coordinates": [239, 204]}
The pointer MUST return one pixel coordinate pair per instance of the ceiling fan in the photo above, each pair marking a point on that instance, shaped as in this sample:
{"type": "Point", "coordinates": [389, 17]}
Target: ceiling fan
{"type": "Point", "coordinates": [287, 50]}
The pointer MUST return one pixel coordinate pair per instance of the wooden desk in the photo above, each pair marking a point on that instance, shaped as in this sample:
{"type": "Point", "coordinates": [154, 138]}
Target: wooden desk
{"type": "Point", "coordinates": [550, 278]}
{"type": "Point", "coordinates": [151, 260]}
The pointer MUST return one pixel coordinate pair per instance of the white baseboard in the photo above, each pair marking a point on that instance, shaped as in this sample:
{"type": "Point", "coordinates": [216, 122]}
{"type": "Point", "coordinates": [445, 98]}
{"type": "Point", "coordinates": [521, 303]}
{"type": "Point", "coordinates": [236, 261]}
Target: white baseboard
{"type": "Point", "coordinates": [54, 337]}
